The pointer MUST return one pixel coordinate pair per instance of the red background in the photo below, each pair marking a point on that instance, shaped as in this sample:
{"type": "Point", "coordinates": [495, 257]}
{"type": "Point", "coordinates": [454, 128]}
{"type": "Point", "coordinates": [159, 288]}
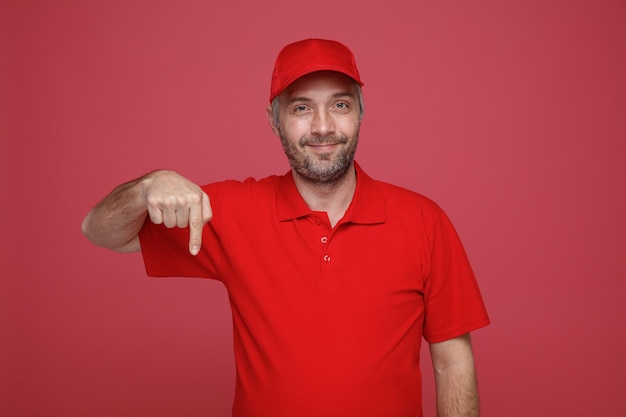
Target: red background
{"type": "Point", "coordinates": [511, 115]}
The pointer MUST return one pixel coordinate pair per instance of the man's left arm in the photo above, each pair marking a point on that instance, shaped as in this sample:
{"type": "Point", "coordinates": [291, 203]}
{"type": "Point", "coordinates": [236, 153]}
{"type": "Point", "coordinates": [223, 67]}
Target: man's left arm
{"type": "Point", "coordinates": [455, 377]}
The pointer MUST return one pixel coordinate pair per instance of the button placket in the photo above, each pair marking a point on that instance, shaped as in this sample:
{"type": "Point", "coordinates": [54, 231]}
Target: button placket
{"type": "Point", "coordinates": [324, 242]}
{"type": "Point", "coordinates": [325, 256]}
{"type": "Point", "coordinates": [324, 236]}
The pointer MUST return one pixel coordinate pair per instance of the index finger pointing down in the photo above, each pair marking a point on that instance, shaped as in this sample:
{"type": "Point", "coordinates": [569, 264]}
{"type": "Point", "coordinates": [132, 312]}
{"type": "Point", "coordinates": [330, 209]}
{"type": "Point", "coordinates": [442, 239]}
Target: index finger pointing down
{"type": "Point", "coordinates": [196, 224]}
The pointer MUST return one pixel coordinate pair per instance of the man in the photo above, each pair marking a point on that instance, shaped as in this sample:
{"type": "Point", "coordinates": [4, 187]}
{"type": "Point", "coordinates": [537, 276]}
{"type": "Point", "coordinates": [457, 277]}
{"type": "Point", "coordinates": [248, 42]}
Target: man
{"type": "Point", "coordinates": [333, 277]}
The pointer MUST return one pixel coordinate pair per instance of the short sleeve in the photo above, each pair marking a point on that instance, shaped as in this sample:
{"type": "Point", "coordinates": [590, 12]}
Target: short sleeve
{"type": "Point", "coordinates": [453, 302]}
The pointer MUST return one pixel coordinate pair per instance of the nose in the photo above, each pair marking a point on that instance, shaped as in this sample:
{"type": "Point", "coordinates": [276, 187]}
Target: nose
{"type": "Point", "coordinates": [322, 123]}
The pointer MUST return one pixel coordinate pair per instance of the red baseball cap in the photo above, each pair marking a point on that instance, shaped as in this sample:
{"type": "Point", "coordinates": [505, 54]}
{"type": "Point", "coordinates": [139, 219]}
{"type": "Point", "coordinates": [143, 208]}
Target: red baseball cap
{"type": "Point", "coordinates": [311, 55]}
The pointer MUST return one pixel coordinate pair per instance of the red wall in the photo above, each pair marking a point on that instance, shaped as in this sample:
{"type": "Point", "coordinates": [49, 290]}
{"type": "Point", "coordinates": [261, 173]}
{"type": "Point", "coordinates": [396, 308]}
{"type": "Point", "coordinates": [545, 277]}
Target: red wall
{"type": "Point", "coordinates": [511, 115]}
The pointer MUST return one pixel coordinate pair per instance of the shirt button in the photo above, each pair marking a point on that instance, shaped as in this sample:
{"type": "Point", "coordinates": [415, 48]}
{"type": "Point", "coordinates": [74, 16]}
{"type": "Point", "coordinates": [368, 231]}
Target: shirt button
{"type": "Point", "coordinates": [326, 258]}
{"type": "Point", "coordinates": [324, 239]}
{"type": "Point", "coordinates": [317, 221]}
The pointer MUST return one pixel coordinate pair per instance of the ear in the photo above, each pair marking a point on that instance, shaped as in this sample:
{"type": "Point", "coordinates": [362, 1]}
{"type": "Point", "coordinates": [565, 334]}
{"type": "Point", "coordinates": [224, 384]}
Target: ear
{"type": "Point", "coordinates": [270, 119]}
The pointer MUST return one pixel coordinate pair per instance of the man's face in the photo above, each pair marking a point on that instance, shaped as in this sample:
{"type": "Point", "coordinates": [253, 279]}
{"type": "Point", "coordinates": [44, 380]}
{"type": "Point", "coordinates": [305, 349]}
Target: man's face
{"type": "Point", "coordinates": [319, 117]}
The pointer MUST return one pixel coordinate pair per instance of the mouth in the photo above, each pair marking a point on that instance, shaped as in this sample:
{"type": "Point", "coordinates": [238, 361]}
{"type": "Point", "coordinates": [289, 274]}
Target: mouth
{"type": "Point", "coordinates": [329, 141]}
{"type": "Point", "coordinates": [318, 145]}
{"type": "Point", "coordinates": [323, 147]}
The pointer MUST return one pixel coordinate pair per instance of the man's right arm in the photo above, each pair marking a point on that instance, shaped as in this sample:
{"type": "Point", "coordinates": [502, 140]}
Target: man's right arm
{"type": "Point", "coordinates": [165, 196]}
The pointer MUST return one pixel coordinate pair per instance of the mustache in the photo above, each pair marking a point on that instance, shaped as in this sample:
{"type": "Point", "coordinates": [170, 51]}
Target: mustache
{"type": "Point", "coordinates": [323, 140]}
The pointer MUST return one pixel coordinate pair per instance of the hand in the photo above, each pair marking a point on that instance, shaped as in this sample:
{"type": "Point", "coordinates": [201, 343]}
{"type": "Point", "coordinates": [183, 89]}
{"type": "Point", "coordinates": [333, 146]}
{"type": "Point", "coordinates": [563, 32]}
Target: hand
{"type": "Point", "coordinates": [174, 201]}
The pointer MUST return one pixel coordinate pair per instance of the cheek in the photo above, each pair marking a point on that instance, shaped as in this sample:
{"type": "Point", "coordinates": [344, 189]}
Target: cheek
{"type": "Point", "coordinates": [349, 127]}
{"type": "Point", "coordinates": [295, 128]}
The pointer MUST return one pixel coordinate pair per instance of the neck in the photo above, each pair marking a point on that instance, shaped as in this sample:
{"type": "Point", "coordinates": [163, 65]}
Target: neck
{"type": "Point", "coordinates": [332, 197]}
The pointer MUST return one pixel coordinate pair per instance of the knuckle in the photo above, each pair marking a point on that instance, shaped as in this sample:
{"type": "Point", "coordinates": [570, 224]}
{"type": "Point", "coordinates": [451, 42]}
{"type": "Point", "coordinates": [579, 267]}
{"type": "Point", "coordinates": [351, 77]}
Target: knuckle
{"type": "Point", "coordinates": [152, 201]}
{"type": "Point", "coordinates": [194, 199]}
{"type": "Point", "coordinates": [179, 201]}
{"type": "Point", "coordinates": [196, 224]}
{"type": "Point", "coordinates": [172, 201]}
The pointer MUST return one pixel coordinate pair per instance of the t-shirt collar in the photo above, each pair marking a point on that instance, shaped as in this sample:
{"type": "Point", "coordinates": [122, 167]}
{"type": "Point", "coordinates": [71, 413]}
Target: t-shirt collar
{"type": "Point", "coordinates": [367, 206]}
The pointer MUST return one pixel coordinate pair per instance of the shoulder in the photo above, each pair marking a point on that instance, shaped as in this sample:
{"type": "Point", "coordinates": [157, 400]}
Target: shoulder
{"type": "Point", "coordinates": [393, 196]}
{"type": "Point", "coordinates": [406, 202]}
{"type": "Point", "coordinates": [239, 202]}
{"type": "Point", "coordinates": [399, 206]}
{"type": "Point", "coordinates": [394, 192]}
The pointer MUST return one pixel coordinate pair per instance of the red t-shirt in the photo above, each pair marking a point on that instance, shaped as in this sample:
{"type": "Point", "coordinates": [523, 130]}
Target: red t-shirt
{"type": "Point", "coordinates": [327, 321]}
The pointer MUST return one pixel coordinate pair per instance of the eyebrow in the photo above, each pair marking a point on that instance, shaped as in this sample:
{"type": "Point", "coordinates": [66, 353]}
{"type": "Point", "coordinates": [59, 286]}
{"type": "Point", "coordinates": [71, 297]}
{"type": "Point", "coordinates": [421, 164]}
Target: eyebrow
{"type": "Point", "coordinates": [304, 99]}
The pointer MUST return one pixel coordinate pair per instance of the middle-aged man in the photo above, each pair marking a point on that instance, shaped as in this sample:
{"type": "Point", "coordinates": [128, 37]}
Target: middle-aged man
{"type": "Point", "coordinates": [333, 277]}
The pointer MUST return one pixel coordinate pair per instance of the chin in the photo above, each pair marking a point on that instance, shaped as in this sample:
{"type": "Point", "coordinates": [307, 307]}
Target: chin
{"type": "Point", "coordinates": [325, 173]}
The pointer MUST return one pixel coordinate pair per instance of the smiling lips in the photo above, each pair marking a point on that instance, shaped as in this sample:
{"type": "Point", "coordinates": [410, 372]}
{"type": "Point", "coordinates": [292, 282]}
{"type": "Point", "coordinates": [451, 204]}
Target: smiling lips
{"type": "Point", "coordinates": [324, 147]}
{"type": "Point", "coordinates": [324, 142]}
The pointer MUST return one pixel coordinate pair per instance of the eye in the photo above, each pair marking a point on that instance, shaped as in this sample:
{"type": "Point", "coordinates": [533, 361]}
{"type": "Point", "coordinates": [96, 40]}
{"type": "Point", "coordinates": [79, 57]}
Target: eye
{"type": "Point", "coordinates": [342, 106]}
{"type": "Point", "coordinates": [299, 109]}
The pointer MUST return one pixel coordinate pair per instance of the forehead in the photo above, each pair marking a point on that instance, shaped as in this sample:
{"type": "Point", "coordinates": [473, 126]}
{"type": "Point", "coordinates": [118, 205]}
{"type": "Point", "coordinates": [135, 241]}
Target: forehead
{"type": "Point", "coordinates": [321, 84]}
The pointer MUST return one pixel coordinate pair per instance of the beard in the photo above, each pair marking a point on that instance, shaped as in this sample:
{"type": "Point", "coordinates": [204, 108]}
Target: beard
{"type": "Point", "coordinates": [322, 168]}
